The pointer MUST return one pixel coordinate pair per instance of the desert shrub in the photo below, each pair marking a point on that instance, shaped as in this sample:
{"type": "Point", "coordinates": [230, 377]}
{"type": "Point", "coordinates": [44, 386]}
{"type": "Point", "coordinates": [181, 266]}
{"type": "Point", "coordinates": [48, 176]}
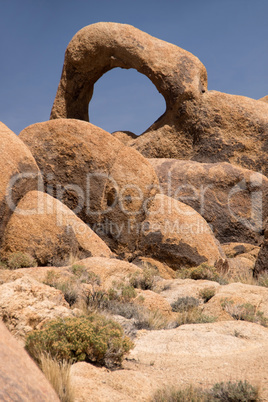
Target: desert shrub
{"type": "Point", "coordinates": [19, 260]}
{"type": "Point", "coordinates": [93, 339]}
{"type": "Point", "coordinates": [245, 312]}
{"type": "Point", "coordinates": [173, 394]}
{"type": "Point", "coordinates": [3, 265]}
{"type": "Point", "coordinates": [207, 293]}
{"type": "Point", "coordinates": [58, 374]}
{"type": "Point", "coordinates": [263, 279]}
{"type": "Point", "coordinates": [203, 271]}
{"type": "Point", "coordinates": [239, 391]}
{"type": "Point", "coordinates": [184, 304]}
{"type": "Point", "coordinates": [234, 392]}
{"type": "Point", "coordinates": [193, 316]}
{"type": "Point", "coordinates": [68, 286]}
{"type": "Point", "coordinates": [121, 291]}
{"type": "Point", "coordinates": [144, 280]}
{"type": "Point", "coordinates": [127, 310]}
{"type": "Point", "coordinates": [152, 320]}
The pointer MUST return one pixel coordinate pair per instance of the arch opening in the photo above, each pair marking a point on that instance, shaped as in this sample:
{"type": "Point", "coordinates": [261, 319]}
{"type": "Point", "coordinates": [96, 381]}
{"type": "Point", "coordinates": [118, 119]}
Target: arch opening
{"type": "Point", "coordinates": [125, 100]}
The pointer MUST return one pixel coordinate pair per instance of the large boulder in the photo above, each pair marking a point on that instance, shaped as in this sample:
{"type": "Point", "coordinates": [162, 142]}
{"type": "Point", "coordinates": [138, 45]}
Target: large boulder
{"type": "Point", "coordinates": [199, 355]}
{"type": "Point", "coordinates": [20, 378]}
{"type": "Point", "coordinates": [176, 234]}
{"type": "Point", "coordinates": [18, 173]}
{"type": "Point", "coordinates": [233, 200]}
{"type": "Point", "coordinates": [97, 48]}
{"type": "Point", "coordinates": [104, 182]}
{"type": "Point", "coordinates": [214, 127]}
{"type": "Point", "coordinates": [27, 304]}
{"type": "Point", "coordinates": [50, 232]}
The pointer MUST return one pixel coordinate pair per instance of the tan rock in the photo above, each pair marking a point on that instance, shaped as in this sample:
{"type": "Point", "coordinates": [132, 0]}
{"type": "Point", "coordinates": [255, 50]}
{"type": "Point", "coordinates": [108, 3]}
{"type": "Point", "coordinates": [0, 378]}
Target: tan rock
{"type": "Point", "coordinates": [162, 269]}
{"type": "Point", "coordinates": [233, 200]}
{"type": "Point", "coordinates": [240, 293]}
{"type": "Point", "coordinates": [18, 173]}
{"type": "Point", "coordinates": [176, 288]}
{"type": "Point", "coordinates": [49, 231]}
{"type": "Point", "coordinates": [26, 304]}
{"type": "Point", "coordinates": [198, 355]}
{"type": "Point", "coordinates": [20, 378]}
{"type": "Point", "coordinates": [109, 270]}
{"type": "Point", "coordinates": [240, 249]}
{"type": "Point", "coordinates": [124, 136]}
{"type": "Point", "coordinates": [104, 182]}
{"type": "Point", "coordinates": [153, 301]}
{"type": "Point", "coordinates": [214, 127]}
{"type": "Point", "coordinates": [177, 235]}
{"type": "Point", "coordinates": [264, 99]}
{"type": "Point", "coordinates": [97, 48]}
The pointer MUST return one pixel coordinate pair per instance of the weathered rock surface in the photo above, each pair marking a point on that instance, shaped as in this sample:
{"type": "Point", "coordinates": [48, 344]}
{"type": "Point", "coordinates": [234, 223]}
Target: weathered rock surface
{"type": "Point", "coordinates": [214, 127]}
{"type": "Point", "coordinates": [176, 234]}
{"type": "Point", "coordinates": [27, 304]}
{"type": "Point", "coordinates": [199, 355]}
{"type": "Point", "coordinates": [49, 231]}
{"type": "Point", "coordinates": [240, 293]}
{"type": "Point", "coordinates": [124, 136]}
{"type": "Point", "coordinates": [104, 182]}
{"type": "Point", "coordinates": [18, 173]}
{"type": "Point", "coordinates": [262, 260]}
{"type": "Point", "coordinates": [264, 99]}
{"type": "Point", "coordinates": [109, 270]}
{"type": "Point", "coordinates": [97, 48]}
{"type": "Point", "coordinates": [248, 250]}
{"type": "Point", "coordinates": [233, 200]}
{"type": "Point", "coordinates": [20, 378]}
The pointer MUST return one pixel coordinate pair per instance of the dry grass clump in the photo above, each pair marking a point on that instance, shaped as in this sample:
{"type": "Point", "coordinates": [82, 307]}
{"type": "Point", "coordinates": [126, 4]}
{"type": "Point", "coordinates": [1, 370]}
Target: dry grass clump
{"type": "Point", "coordinates": [58, 374]}
{"type": "Point", "coordinates": [239, 391]}
{"type": "Point", "coordinates": [203, 271]}
{"type": "Point", "coordinates": [18, 260]}
{"type": "Point", "coordinates": [244, 312]}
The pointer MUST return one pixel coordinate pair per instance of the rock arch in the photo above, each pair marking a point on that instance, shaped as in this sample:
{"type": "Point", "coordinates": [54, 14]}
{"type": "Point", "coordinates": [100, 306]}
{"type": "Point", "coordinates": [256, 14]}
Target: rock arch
{"type": "Point", "coordinates": [177, 74]}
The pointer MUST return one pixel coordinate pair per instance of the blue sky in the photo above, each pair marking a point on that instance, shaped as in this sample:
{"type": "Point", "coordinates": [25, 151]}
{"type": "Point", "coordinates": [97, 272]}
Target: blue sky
{"type": "Point", "coordinates": [229, 36]}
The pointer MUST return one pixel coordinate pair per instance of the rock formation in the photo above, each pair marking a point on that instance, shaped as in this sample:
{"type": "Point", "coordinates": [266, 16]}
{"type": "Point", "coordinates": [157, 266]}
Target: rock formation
{"type": "Point", "coordinates": [201, 125]}
{"type": "Point", "coordinates": [233, 200]}
{"type": "Point", "coordinates": [98, 48]}
{"type": "Point", "coordinates": [177, 235]}
{"type": "Point", "coordinates": [20, 378]}
{"type": "Point", "coordinates": [50, 232]}
{"type": "Point", "coordinates": [18, 173]}
{"type": "Point", "coordinates": [104, 182]}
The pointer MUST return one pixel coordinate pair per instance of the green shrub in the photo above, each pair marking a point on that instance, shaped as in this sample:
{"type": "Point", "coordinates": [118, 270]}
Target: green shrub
{"type": "Point", "coordinates": [20, 260]}
{"type": "Point", "coordinates": [207, 293]}
{"type": "Point", "coordinates": [239, 391]}
{"type": "Point", "coordinates": [203, 271]}
{"type": "Point", "coordinates": [184, 304]}
{"type": "Point", "coordinates": [93, 339]}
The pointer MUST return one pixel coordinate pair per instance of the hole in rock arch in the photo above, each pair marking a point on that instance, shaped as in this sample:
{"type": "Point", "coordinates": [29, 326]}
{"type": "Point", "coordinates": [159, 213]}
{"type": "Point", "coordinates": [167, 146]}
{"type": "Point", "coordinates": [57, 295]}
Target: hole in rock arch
{"type": "Point", "coordinates": [125, 100]}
